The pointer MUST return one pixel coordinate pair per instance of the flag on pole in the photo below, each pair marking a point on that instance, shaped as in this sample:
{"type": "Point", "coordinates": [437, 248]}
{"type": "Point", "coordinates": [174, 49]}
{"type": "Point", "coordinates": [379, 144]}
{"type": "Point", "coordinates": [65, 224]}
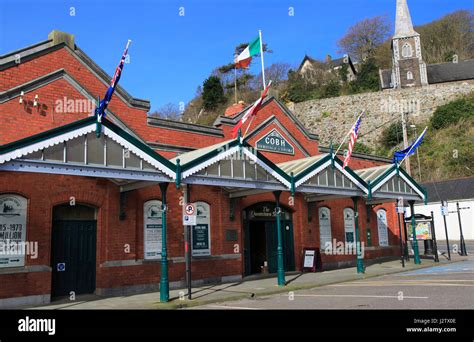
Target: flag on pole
{"type": "Point", "coordinates": [251, 111]}
{"type": "Point", "coordinates": [113, 83]}
{"type": "Point", "coordinates": [401, 155]}
{"type": "Point", "coordinates": [243, 60]}
{"type": "Point", "coordinates": [353, 137]}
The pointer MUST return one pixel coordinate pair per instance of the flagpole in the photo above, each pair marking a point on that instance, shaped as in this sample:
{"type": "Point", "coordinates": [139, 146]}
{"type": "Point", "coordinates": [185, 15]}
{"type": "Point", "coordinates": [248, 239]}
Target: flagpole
{"type": "Point", "coordinates": [408, 153]}
{"type": "Point", "coordinates": [345, 137]}
{"type": "Point", "coordinates": [261, 55]}
{"type": "Point", "coordinates": [235, 83]}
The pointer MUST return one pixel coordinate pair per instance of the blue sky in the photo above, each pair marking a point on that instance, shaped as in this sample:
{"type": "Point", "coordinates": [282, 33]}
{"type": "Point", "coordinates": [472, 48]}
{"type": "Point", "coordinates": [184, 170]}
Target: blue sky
{"type": "Point", "coordinates": [171, 54]}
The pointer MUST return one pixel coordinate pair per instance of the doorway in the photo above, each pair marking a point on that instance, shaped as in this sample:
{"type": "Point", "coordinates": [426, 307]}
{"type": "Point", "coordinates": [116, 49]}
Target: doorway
{"type": "Point", "coordinates": [73, 250]}
{"type": "Point", "coordinates": [261, 239]}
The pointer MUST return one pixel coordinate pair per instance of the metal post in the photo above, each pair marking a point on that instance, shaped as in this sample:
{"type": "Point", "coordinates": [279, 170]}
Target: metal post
{"type": "Point", "coordinates": [446, 232]}
{"type": "Point", "coordinates": [405, 245]}
{"type": "Point", "coordinates": [462, 242]}
{"type": "Point", "coordinates": [401, 241]}
{"type": "Point", "coordinates": [281, 266]}
{"type": "Point", "coordinates": [187, 243]}
{"type": "Point", "coordinates": [433, 235]}
{"type": "Point", "coordinates": [405, 142]}
{"type": "Point", "coordinates": [360, 262]}
{"type": "Point", "coordinates": [164, 283]}
{"type": "Point", "coordinates": [416, 254]}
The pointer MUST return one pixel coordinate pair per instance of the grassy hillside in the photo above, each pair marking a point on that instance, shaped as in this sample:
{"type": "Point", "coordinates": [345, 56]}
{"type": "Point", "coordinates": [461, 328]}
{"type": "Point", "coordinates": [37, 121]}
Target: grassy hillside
{"type": "Point", "coordinates": [448, 148]}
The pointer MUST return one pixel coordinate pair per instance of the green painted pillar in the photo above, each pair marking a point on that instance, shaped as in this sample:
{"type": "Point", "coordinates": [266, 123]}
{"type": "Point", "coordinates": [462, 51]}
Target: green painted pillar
{"type": "Point", "coordinates": [416, 253]}
{"type": "Point", "coordinates": [360, 260]}
{"type": "Point", "coordinates": [164, 283]}
{"type": "Point", "coordinates": [281, 266]}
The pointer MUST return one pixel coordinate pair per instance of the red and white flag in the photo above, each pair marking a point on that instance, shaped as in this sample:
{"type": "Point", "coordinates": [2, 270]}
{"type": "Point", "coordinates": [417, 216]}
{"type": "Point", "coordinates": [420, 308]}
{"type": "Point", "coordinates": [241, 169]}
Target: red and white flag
{"type": "Point", "coordinates": [353, 137]}
{"type": "Point", "coordinates": [251, 111]}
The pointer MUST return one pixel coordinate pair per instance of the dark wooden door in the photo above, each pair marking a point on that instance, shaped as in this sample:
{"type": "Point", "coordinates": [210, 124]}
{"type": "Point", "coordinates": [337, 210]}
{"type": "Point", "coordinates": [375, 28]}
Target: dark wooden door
{"type": "Point", "coordinates": [73, 257]}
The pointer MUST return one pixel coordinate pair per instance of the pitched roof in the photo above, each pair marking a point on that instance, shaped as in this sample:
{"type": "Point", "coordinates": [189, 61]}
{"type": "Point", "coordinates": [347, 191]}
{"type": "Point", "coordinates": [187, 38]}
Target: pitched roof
{"type": "Point", "coordinates": [333, 63]}
{"type": "Point", "coordinates": [449, 190]}
{"type": "Point", "coordinates": [448, 72]}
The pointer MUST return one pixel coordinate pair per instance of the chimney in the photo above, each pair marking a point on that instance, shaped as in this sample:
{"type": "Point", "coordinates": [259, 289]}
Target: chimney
{"type": "Point", "coordinates": [59, 37]}
{"type": "Point", "coordinates": [235, 108]}
{"type": "Point", "coordinates": [328, 58]}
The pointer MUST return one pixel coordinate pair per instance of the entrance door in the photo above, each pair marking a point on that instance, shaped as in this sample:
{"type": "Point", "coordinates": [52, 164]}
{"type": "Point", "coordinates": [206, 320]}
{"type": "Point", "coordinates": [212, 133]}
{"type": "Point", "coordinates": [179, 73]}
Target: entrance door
{"type": "Point", "coordinates": [261, 239]}
{"type": "Point", "coordinates": [73, 256]}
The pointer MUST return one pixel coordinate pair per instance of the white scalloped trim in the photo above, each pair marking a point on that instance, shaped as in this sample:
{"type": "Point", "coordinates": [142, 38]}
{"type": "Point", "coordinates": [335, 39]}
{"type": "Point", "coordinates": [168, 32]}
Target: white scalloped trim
{"type": "Point", "coordinates": [266, 167]}
{"type": "Point", "coordinates": [384, 180]}
{"type": "Point", "coordinates": [145, 156]}
{"type": "Point", "coordinates": [21, 152]}
{"type": "Point", "coordinates": [209, 162]}
{"type": "Point", "coordinates": [312, 173]}
{"type": "Point", "coordinates": [352, 178]}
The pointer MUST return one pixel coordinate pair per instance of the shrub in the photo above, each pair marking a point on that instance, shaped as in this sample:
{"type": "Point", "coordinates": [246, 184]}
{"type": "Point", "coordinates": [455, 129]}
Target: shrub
{"type": "Point", "coordinates": [450, 113]}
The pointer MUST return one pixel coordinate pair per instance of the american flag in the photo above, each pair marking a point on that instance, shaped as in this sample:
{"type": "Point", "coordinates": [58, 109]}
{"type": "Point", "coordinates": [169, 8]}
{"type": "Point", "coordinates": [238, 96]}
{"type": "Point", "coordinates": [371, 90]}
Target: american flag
{"type": "Point", "coordinates": [353, 134]}
{"type": "Point", "coordinates": [113, 83]}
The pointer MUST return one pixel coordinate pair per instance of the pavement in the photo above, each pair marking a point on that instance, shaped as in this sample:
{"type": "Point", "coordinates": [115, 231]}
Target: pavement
{"type": "Point", "coordinates": [440, 287]}
{"type": "Point", "coordinates": [299, 284]}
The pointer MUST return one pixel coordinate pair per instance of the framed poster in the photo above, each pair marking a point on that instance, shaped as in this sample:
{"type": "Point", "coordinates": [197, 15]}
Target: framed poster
{"type": "Point", "coordinates": [349, 225]}
{"type": "Point", "coordinates": [201, 232]}
{"type": "Point", "coordinates": [423, 230]}
{"type": "Point", "coordinates": [382, 227]}
{"type": "Point", "coordinates": [13, 210]}
{"type": "Point", "coordinates": [153, 229]}
{"type": "Point", "coordinates": [325, 235]}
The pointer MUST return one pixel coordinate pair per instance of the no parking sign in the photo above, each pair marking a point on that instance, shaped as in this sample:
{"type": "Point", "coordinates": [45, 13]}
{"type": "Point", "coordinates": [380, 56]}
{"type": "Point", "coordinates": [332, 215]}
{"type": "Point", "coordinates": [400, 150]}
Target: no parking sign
{"type": "Point", "coordinates": [189, 214]}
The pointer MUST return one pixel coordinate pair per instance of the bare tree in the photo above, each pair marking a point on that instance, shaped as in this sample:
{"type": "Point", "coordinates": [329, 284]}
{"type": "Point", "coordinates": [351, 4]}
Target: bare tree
{"type": "Point", "coordinates": [277, 73]}
{"type": "Point", "coordinates": [168, 111]}
{"type": "Point", "coordinates": [363, 38]}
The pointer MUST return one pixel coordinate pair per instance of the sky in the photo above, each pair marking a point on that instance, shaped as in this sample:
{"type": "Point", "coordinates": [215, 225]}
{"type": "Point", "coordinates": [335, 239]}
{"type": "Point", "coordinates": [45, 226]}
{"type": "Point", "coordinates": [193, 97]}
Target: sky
{"type": "Point", "coordinates": [172, 54]}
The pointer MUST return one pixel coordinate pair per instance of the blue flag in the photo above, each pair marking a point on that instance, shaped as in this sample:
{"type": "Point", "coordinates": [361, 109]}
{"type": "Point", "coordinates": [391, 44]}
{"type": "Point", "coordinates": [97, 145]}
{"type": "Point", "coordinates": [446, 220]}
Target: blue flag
{"type": "Point", "coordinates": [113, 83]}
{"type": "Point", "coordinates": [400, 155]}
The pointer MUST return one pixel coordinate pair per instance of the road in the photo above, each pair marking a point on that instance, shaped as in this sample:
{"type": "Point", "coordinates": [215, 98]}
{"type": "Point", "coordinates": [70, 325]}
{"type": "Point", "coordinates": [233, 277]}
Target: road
{"type": "Point", "coordinates": [439, 287]}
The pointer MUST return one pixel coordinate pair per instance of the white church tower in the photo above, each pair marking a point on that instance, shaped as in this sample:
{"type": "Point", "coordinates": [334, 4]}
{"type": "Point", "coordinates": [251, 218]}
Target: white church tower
{"type": "Point", "coordinates": [409, 70]}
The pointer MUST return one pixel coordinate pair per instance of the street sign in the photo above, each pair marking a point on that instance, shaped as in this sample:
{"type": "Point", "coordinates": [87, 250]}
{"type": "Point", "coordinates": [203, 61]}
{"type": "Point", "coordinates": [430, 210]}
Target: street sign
{"type": "Point", "coordinates": [444, 211]}
{"type": "Point", "coordinates": [189, 214]}
{"type": "Point", "coordinates": [400, 210]}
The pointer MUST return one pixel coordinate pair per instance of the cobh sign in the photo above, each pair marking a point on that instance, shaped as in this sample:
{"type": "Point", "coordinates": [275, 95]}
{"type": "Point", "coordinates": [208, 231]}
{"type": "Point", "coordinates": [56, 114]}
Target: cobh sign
{"type": "Point", "coordinates": [274, 142]}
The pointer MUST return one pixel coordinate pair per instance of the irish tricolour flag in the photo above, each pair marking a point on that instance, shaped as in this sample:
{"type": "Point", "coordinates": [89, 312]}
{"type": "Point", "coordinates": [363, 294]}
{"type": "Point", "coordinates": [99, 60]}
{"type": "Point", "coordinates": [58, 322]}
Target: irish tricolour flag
{"type": "Point", "coordinates": [243, 60]}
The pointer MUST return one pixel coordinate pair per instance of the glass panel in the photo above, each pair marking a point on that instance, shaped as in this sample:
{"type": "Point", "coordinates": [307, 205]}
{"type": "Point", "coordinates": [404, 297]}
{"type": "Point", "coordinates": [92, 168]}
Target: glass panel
{"type": "Point", "coordinates": [390, 185]}
{"type": "Point", "coordinates": [249, 170]}
{"type": "Point", "coordinates": [55, 152]}
{"type": "Point", "coordinates": [261, 174]}
{"type": "Point", "coordinates": [323, 178]}
{"type": "Point", "coordinates": [213, 169]}
{"type": "Point", "coordinates": [131, 160]}
{"type": "Point", "coordinates": [148, 166]}
{"type": "Point", "coordinates": [95, 149]}
{"type": "Point", "coordinates": [238, 168]}
{"type": "Point", "coordinates": [75, 150]}
{"type": "Point", "coordinates": [114, 153]}
{"type": "Point", "coordinates": [338, 179]}
{"type": "Point", "coordinates": [34, 155]}
{"type": "Point", "coordinates": [225, 167]}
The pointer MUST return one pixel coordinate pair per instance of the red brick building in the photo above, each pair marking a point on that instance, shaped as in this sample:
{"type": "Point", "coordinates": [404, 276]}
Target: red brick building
{"type": "Point", "coordinates": [93, 206]}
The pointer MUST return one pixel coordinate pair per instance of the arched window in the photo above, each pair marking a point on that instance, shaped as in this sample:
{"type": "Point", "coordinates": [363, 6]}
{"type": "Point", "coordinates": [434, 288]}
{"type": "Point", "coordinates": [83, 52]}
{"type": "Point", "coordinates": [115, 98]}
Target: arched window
{"type": "Point", "coordinates": [201, 232]}
{"type": "Point", "coordinates": [325, 235]}
{"type": "Point", "coordinates": [409, 75]}
{"type": "Point", "coordinates": [349, 225]}
{"type": "Point", "coordinates": [382, 227]}
{"type": "Point", "coordinates": [13, 211]}
{"type": "Point", "coordinates": [153, 228]}
{"type": "Point", "coordinates": [407, 51]}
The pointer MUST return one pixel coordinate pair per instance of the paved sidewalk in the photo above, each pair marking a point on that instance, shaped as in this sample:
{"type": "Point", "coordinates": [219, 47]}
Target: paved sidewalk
{"type": "Point", "coordinates": [244, 289]}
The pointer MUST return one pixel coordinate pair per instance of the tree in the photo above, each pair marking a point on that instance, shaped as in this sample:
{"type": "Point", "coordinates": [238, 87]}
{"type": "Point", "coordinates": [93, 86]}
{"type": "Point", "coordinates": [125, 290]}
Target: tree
{"type": "Point", "coordinates": [277, 73]}
{"type": "Point", "coordinates": [168, 111]}
{"type": "Point", "coordinates": [367, 78]}
{"type": "Point", "coordinates": [453, 34]}
{"type": "Point", "coordinates": [212, 93]}
{"type": "Point", "coordinates": [363, 38]}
